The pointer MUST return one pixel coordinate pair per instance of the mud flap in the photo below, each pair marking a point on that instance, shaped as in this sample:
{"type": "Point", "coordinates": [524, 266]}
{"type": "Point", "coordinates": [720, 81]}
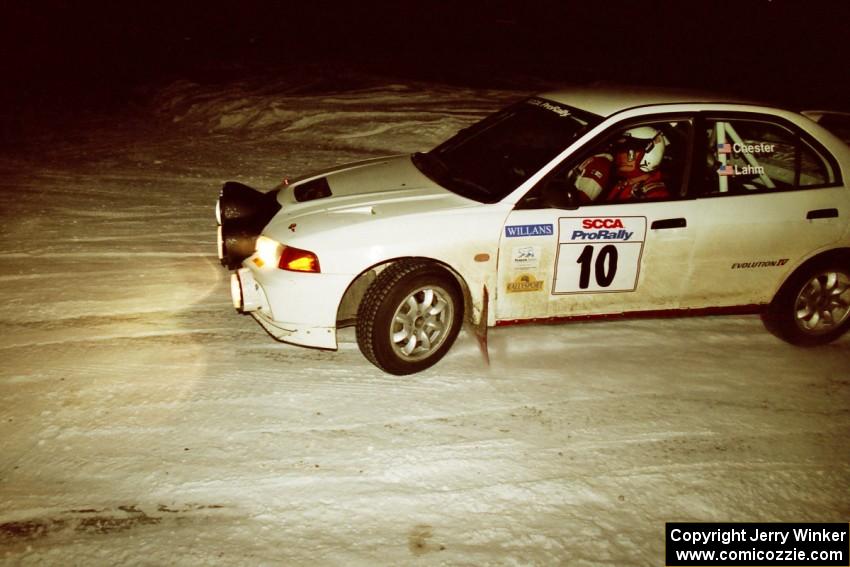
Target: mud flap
{"type": "Point", "coordinates": [481, 328]}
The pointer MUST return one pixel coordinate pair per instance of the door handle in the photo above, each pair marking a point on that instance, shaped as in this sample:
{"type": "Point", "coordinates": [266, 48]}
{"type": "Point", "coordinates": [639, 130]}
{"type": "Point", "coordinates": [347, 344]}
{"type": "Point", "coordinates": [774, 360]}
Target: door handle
{"type": "Point", "coordinates": [669, 223]}
{"type": "Point", "coordinates": [822, 214]}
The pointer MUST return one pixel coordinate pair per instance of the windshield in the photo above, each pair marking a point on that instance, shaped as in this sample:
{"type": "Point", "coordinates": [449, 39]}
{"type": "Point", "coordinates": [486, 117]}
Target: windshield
{"type": "Point", "coordinates": [488, 160]}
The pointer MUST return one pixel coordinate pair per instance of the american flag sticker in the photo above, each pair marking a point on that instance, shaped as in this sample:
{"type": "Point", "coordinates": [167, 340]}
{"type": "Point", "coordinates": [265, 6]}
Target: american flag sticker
{"type": "Point", "coordinates": [725, 170]}
{"type": "Point", "coordinates": [724, 148]}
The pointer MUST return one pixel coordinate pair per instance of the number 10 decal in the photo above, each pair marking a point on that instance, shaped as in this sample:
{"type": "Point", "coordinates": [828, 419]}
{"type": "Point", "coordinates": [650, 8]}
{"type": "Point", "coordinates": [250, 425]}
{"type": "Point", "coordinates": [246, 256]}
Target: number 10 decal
{"type": "Point", "coordinates": [604, 272]}
{"type": "Point", "coordinates": [598, 254]}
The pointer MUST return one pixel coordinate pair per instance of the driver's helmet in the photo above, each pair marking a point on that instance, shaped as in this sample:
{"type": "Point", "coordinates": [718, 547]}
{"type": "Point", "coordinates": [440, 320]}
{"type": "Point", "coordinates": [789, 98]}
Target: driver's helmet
{"type": "Point", "coordinates": [639, 150]}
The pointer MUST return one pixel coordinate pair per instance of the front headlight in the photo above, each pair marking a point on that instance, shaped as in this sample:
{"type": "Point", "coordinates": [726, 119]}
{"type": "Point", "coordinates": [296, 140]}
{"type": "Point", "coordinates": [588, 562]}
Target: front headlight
{"type": "Point", "coordinates": [267, 251]}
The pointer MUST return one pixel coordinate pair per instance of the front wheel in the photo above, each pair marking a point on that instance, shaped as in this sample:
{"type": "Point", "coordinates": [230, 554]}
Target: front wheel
{"type": "Point", "coordinates": [813, 307]}
{"type": "Point", "coordinates": [410, 317]}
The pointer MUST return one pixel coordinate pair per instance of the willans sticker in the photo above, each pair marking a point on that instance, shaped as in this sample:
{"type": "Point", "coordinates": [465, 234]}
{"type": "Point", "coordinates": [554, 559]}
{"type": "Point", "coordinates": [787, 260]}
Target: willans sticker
{"type": "Point", "coordinates": [523, 230]}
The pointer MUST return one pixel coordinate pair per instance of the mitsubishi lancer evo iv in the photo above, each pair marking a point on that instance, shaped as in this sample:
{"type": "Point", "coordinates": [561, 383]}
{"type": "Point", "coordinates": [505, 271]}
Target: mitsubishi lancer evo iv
{"type": "Point", "coordinates": [567, 205]}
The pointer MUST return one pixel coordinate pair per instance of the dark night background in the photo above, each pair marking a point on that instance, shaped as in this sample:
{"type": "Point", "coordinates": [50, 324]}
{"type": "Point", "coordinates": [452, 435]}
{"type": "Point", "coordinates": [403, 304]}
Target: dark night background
{"type": "Point", "coordinates": [143, 421]}
{"type": "Point", "coordinates": [74, 55]}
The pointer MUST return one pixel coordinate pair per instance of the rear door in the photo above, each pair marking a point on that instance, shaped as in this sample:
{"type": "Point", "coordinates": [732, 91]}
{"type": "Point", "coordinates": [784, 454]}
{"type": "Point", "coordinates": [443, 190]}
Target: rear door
{"type": "Point", "coordinates": [770, 197]}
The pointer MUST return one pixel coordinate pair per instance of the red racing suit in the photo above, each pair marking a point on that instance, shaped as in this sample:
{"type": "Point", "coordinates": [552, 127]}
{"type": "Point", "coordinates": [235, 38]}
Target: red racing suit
{"type": "Point", "coordinates": [639, 188]}
{"type": "Point", "coordinates": [594, 176]}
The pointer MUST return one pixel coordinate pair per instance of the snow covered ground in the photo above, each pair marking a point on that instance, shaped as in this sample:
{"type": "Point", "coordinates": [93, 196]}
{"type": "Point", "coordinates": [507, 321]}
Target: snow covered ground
{"type": "Point", "coordinates": [143, 421]}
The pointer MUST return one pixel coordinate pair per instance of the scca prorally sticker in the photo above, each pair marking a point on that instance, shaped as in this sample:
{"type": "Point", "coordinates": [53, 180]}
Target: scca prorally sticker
{"type": "Point", "coordinates": [525, 282]}
{"type": "Point", "coordinates": [550, 106]}
{"type": "Point", "coordinates": [525, 258]}
{"type": "Point", "coordinates": [599, 254]}
{"type": "Point", "coordinates": [522, 230]}
{"type": "Point", "coordinates": [602, 229]}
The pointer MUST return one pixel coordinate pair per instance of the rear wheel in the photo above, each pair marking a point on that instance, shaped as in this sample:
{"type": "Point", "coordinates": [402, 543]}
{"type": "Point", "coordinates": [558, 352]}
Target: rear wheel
{"type": "Point", "coordinates": [410, 317]}
{"type": "Point", "coordinates": [813, 307]}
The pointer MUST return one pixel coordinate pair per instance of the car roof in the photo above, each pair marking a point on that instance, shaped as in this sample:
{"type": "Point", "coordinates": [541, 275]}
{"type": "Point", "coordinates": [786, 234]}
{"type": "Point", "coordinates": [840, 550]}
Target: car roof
{"type": "Point", "coordinates": [608, 100]}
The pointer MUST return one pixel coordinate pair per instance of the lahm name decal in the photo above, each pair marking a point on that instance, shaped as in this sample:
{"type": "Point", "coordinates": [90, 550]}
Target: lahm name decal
{"type": "Point", "coordinates": [727, 170]}
{"type": "Point", "coordinates": [762, 264]}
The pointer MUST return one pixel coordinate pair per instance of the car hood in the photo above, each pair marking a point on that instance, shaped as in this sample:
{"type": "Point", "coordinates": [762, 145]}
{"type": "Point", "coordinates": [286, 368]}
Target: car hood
{"type": "Point", "coordinates": [362, 192]}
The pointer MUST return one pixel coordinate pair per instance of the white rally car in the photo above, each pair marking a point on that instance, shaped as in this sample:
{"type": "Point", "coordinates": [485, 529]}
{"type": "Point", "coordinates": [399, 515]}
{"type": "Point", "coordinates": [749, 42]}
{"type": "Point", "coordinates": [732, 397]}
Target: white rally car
{"type": "Point", "coordinates": [536, 213]}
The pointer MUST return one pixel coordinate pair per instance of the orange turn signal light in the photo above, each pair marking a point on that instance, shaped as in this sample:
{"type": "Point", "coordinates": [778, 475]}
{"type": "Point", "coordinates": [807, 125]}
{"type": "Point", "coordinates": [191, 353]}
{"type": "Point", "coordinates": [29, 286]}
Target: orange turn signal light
{"type": "Point", "coordinates": [297, 260]}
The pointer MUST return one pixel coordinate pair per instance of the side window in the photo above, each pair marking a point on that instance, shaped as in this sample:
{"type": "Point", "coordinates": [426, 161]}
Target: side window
{"type": "Point", "coordinates": [642, 162]}
{"type": "Point", "coordinates": [746, 156]}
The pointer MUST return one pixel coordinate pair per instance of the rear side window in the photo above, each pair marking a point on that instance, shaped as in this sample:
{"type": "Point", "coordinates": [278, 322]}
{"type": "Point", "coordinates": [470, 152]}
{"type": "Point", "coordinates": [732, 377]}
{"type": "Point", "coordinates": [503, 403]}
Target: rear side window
{"type": "Point", "coordinates": [748, 156]}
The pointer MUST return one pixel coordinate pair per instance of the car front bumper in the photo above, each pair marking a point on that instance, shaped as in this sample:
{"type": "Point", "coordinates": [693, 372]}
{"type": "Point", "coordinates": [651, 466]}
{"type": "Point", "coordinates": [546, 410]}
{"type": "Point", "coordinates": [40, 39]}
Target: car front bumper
{"type": "Point", "coordinates": [293, 307]}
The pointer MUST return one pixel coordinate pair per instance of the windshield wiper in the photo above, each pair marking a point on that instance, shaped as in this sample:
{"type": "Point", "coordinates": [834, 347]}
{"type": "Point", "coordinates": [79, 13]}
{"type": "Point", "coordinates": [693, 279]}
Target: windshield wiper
{"type": "Point", "coordinates": [467, 184]}
{"type": "Point", "coordinates": [438, 171]}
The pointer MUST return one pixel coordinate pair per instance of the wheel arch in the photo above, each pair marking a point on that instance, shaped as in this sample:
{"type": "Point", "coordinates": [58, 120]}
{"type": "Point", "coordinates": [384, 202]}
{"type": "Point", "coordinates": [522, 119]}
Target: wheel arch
{"type": "Point", "coordinates": [841, 255]}
{"type": "Point", "coordinates": [356, 290]}
{"type": "Point", "coordinates": [808, 327]}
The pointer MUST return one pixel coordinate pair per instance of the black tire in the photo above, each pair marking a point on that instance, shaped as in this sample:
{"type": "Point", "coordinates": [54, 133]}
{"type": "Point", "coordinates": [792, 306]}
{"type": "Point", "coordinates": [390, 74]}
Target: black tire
{"type": "Point", "coordinates": [392, 307]}
{"type": "Point", "coordinates": [813, 307]}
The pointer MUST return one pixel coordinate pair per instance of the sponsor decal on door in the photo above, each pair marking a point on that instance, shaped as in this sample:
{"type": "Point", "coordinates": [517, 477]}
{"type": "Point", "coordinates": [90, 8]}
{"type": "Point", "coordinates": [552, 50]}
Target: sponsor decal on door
{"type": "Point", "coordinates": [598, 254]}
